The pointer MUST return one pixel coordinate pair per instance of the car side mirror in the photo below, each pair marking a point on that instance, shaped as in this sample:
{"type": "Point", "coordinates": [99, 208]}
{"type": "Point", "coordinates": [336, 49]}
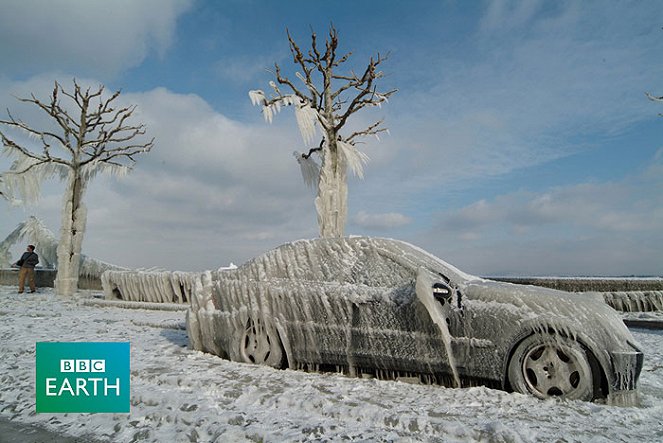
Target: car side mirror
{"type": "Point", "coordinates": [442, 293]}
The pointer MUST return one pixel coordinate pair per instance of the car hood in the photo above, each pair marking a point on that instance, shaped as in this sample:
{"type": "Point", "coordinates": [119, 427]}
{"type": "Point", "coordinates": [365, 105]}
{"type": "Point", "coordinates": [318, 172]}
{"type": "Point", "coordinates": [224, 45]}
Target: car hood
{"type": "Point", "coordinates": [575, 314]}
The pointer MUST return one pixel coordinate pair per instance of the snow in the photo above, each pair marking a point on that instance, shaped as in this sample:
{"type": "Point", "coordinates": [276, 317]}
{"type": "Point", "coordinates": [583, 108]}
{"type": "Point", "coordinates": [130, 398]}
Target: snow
{"type": "Point", "coordinates": [182, 395]}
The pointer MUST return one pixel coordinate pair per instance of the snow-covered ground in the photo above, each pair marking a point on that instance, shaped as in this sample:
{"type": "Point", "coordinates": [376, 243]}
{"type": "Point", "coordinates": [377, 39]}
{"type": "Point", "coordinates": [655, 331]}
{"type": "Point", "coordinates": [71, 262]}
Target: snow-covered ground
{"type": "Point", "coordinates": [180, 395]}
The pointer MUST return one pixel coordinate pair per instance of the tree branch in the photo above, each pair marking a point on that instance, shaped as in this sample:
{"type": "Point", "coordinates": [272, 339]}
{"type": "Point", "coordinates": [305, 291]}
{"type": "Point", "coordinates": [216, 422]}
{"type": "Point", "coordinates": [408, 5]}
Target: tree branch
{"type": "Point", "coordinates": [101, 133]}
{"type": "Point", "coordinates": [373, 129]}
{"type": "Point", "coordinates": [312, 150]}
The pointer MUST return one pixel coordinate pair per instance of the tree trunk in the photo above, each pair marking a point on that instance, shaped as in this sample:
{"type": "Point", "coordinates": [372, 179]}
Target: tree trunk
{"type": "Point", "coordinates": [74, 217]}
{"type": "Point", "coordinates": [332, 200]}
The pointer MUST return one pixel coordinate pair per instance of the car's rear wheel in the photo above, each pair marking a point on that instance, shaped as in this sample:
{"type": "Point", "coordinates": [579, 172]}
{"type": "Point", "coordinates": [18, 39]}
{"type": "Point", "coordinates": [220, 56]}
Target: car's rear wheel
{"type": "Point", "coordinates": [547, 365]}
{"type": "Point", "coordinates": [260, 344]}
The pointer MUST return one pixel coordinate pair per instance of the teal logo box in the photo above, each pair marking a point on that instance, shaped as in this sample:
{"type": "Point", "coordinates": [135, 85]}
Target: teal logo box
{"type": "Point", "coordinates": [83, 377]}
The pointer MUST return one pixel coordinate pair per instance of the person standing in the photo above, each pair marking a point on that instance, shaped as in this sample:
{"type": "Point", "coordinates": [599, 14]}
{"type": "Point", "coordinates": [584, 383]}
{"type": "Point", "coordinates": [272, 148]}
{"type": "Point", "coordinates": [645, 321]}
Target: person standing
{"type": "Point", "coordinates": [27, 263]}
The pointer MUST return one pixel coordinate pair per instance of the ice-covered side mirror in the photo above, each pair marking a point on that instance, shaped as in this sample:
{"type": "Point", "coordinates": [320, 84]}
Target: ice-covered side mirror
{"type": "Point", "coordinates": [433, 291]}
{"type": "Point", "coordinates": [428, 288]}
{"type": "Point", "coordinates": [442, 293]}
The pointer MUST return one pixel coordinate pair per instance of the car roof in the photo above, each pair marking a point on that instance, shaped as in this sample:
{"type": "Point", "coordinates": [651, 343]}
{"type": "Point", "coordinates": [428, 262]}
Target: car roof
{"type": "Point", "coordinates": [370, 261]}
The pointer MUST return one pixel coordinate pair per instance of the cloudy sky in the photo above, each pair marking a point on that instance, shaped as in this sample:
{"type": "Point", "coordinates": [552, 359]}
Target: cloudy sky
{"type": "Point", "coordinates": [521, 140]}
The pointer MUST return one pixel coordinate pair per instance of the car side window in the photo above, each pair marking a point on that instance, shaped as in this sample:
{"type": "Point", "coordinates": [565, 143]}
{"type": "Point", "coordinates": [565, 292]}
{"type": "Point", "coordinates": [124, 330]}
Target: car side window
{"type": "Point", "coordinates": [376, 269]}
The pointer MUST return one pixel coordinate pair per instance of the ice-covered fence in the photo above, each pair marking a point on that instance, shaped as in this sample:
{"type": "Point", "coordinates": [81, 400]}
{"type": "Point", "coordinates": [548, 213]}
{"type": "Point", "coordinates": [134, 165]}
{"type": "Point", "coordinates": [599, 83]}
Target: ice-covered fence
{"type": "Point", "coordinates": [590, 284]}
{"type": "Point", "coordinates": [149, 286]}
{"type": "Point", "coordinates": [635, 301]}
{"type": "Point", "coordinates": [623, 294]}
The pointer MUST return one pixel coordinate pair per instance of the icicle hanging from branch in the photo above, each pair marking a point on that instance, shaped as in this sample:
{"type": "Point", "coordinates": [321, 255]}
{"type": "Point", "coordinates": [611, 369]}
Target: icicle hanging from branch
{"type": "Point", "coordinates": [27, 174]}
{"type": "Point", "coordinates": [257, 97]}
{"type": "Point", "coordinates": [309, 168]}
{"type": "Point", "coordinates": [354, 158]}
{"type": "Point", "coordinates": [307, 118]}
{"type": "Point", "coordinates": [90, 170]}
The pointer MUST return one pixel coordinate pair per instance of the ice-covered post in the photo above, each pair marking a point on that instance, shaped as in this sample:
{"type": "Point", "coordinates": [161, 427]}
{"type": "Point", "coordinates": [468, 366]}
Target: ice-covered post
{"type": "Point", "coordinates": [87, 136]}
{"type": "Point", "coordinates": [326, 101]}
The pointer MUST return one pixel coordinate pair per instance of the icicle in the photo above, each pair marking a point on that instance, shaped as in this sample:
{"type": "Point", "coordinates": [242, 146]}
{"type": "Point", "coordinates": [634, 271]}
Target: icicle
{"type": "Point", "coordinates": [309, 169]}
{"type": "Point", "coordinates": [635, 301]}
{"type": "Point", "coordinates": [424, 293]}
{"type": "Point", "coordinates": [90, 170]}
{"type": "Point", "coordinates": [28, 184]}
{"type": "Point", "coordinates": [267, 113]}
{"type": "Point", "coordinates": [257, 97]}
{"type": "Point", "coordinates": [307, 118]}
{"type": "Point", "coordinates": [149, 286]}
{"type": "Point", "coordinates": [354, 158]}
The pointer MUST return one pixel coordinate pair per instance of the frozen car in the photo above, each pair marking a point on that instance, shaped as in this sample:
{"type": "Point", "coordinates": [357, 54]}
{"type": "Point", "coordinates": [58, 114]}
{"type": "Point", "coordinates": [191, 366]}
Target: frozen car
{"type": "Point", "coordinates": [384, 308]}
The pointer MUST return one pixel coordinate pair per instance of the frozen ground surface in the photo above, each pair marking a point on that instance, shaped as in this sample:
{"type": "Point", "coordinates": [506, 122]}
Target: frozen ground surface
{"type": "Point", "coordinates": [186, 396]}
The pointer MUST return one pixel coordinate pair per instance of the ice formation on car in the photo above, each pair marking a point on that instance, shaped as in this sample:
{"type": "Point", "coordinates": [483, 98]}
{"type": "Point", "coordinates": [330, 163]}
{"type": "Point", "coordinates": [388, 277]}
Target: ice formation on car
{"type": "Point", "coordinates": [368, 306]}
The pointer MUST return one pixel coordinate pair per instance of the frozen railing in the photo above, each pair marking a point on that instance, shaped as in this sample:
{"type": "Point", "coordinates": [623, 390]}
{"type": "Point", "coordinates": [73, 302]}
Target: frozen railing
{"type": "Point", "coordinates": [624, 294]}
{"type": "Point", "coordinates": [635, 301]}
{"type": "Point", "coordinates": [149, 286]}
{"type": "Point", "coordinates": [590, 284]}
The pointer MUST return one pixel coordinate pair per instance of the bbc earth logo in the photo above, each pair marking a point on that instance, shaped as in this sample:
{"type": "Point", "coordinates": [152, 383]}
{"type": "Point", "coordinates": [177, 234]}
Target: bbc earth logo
{"type": "Point", "coordinates": [83, 377]}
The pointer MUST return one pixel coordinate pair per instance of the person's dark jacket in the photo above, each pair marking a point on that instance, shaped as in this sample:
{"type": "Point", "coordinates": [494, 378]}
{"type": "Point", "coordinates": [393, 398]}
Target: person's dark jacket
{"type": "Point", "coordinates": [29, 260]}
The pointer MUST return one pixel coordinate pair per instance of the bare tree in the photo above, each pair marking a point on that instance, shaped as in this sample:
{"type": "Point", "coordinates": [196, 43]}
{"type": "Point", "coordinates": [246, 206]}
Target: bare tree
{"type": "Point", "coordinates": [86, 135]}
{"type": "Point", "coordinates": [327, 99]}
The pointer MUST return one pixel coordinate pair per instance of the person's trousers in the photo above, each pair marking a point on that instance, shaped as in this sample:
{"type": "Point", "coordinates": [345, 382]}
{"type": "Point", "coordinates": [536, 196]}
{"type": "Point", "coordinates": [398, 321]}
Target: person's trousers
{"type": "Point", "coordinates": [28, 273]}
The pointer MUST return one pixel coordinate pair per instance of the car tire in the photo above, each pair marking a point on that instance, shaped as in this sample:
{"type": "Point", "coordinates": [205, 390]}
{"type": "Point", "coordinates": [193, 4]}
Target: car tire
{"type": "Point", "coordinates": [260, 344]}
{"type": "Point", "coordinates": [549, 365]}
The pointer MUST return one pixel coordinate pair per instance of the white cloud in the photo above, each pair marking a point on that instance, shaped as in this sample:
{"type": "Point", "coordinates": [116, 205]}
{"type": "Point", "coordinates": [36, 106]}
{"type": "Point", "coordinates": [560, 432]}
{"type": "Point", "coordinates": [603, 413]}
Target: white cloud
{"type": "Point", "coordinates": [600, 228]}
{"type": "Point", "coordinates": [92, 37]}
{"type": "Point", "coordinates": [536, 82]}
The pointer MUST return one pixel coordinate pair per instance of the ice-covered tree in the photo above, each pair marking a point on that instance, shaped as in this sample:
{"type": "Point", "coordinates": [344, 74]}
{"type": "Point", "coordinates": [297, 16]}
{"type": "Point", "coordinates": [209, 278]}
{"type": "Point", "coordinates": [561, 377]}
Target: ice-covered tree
{"type": "Point", "coordinates": [325, 100]}
{"type": "Point", "coordinates": [87, 132]}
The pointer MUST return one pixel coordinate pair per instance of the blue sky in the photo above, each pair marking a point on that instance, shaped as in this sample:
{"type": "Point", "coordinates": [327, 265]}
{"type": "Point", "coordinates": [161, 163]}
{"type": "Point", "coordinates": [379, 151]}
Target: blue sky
{"type": "Point", "coordinates": [521, 140]}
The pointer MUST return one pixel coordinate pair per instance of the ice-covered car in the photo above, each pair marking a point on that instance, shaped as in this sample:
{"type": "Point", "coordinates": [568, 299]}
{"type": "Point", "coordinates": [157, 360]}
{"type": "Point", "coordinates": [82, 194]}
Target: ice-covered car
{"type": "Point", "coordinates": [384, 308]}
